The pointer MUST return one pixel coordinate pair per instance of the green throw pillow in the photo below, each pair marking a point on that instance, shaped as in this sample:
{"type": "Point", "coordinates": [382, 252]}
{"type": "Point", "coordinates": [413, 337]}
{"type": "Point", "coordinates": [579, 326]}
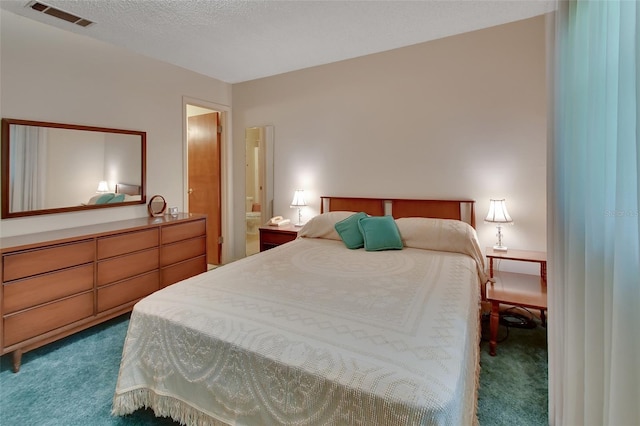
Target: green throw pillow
{"type": "Point", "coordinates": [380, 233]}
{"type": "Point", "coordinates": [350, 232]}
{"type": "Point", "coordinates": [105, 198]}
{"type": "Point", "coordinates": [116, 199]}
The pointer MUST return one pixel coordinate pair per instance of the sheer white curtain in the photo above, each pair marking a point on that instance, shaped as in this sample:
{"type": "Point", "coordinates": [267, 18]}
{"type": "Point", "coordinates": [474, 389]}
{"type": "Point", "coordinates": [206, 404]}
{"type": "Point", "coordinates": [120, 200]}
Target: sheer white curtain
{"type": "Point", "coordinates": [28, 159]}
{"type": "Point", "coordinates": [594, 193]}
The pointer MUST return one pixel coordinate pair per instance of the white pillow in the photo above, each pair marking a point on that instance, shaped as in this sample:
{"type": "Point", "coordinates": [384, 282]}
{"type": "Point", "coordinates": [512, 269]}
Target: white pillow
{"type": "Point", "coordinates": [442, 235]}
{"type": "Point", "coordinates": [323, 225]}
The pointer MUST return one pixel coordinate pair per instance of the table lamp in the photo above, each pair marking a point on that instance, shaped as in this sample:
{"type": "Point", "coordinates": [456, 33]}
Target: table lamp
{"type": "Point", "coordinates": [298, 202]}
{"type": "Point", "coordinates": [498, 214]}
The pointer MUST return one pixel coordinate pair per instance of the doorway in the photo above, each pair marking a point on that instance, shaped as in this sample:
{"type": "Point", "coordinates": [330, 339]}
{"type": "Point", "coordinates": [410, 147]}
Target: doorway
{"type": "Point", "coordinates": [258, 183]}
{"type": "Point", "coordinates": [204, 135]}
{"type": "Point", "coordinates": [254, 176]}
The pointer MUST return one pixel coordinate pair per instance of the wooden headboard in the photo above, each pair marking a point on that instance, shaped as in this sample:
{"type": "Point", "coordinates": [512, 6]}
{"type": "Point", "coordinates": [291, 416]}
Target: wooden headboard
{"type": "Point", "coordinates": [125, 188]}
{"type": "Point", "coordinates": [462, 209]}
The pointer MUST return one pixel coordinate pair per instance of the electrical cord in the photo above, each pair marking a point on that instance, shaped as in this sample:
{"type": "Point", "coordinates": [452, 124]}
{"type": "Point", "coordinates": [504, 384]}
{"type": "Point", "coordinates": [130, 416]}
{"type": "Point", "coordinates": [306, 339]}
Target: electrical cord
{"type": "Point", "coordinates": [504, 325]}
{"type": "Point", "coordinates": [531, 316]}
{"type": "Point", "coordinates": [486, 320]}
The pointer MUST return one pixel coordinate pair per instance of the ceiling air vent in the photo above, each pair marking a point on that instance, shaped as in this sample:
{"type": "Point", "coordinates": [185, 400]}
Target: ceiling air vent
{"type": "Point", "coordinates": [60, 14]}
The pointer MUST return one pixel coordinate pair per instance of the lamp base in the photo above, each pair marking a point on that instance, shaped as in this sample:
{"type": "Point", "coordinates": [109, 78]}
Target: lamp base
{"type": "Point", "coordinates": [299, 223]}
{"type": "Point", "coordinates": [500, 248]}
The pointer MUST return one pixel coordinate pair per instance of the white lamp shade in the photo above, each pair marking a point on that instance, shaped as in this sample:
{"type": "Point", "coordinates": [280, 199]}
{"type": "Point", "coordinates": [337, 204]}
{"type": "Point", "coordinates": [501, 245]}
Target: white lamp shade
{"type": "Point", "coordinates": [298, 199]}
{"type": "Point", "coordinates": [103, 186]}
{"type": "Point", "coordinates": [498, 212]}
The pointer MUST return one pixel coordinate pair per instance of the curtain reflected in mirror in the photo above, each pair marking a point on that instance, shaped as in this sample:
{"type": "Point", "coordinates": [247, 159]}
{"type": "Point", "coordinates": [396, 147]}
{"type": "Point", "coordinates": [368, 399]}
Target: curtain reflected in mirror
{"type": "Point", "coordinates": [28, 154]}
{"type": "Point", "coordinates": [258, 183]}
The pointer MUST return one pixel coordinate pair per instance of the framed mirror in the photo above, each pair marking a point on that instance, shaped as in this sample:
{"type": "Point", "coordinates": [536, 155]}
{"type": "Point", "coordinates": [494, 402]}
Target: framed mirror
{"type": "Point", "coordinates": [54, 168]}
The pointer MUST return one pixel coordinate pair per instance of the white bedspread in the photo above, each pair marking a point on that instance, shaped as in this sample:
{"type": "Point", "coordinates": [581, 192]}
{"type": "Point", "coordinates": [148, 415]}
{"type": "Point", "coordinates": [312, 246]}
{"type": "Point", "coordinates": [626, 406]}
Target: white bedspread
{"type": "Point", "coordinates": [279, 338]}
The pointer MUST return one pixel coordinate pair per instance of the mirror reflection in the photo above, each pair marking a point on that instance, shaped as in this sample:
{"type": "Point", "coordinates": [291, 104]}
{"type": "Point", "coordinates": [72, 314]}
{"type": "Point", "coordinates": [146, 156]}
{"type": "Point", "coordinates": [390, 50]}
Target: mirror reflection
{"type": "Point", "coordinates": [258, 183]}
{"type": "Point", "coordinates": [51, 168]}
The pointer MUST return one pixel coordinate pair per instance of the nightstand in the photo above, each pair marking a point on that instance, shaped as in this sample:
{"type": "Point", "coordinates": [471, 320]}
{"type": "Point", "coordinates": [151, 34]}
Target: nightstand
{"type": "Point", "coordinates": [272, 236]}
{"type": "Point", "coordinates": [528, 291]}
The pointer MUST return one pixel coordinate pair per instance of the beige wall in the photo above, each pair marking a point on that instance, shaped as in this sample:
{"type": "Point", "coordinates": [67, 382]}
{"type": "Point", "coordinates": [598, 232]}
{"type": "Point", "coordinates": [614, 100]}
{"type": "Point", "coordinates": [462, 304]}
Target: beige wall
{"type": "Point", "coordinates": [463, 116]}
{"type": "Point", "coordinates": [52, 75]}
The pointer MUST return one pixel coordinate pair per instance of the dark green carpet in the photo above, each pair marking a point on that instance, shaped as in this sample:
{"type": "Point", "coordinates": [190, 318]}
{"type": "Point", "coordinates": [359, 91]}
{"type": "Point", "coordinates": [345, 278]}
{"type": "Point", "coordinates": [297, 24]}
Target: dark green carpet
{"type": "Point", "coordinates": [71, 382]}
{"type": "Point", "coordinates": [513, 384]}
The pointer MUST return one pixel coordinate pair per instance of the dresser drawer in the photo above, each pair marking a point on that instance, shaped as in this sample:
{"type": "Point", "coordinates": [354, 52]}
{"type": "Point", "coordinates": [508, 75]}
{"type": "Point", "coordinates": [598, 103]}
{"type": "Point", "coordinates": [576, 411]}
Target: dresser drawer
{"type": "Point", "coordinates": [33, 262]}
{"type": "Point", "coordinates": [127, 243]}
{"type": "Point", "coordinates": [183, 250]}
{"type": "Point", "coordinates": [119, 268]}
{"type": "Point", "coordinates": [127, 291]}
{"type": "Point", "coordinates": [34, 291]}
{"type": "Point", "coordinates": [34, 322]}
{"type": "Point", "coordinates": [183, 231]}
{"type": "Point", "coordinates": [183, 270]}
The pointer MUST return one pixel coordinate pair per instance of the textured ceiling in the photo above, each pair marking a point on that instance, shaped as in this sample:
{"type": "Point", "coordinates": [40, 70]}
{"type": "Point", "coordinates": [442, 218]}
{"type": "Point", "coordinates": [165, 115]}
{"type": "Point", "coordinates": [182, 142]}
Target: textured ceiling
{"type": "Point", "coordinates": [237, 40]}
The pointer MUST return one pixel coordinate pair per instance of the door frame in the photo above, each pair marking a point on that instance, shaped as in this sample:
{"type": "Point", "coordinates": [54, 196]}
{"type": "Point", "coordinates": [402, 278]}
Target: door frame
{"type": "Point", "coordinates": [226, 189]}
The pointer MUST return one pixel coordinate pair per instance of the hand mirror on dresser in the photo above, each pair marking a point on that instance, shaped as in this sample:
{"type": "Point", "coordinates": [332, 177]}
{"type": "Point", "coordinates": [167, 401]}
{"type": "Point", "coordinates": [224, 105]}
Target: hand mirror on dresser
{"type": "Point", "coordinates": [157, 206]}
{"type": "Point", "coordinates": [54, 168]}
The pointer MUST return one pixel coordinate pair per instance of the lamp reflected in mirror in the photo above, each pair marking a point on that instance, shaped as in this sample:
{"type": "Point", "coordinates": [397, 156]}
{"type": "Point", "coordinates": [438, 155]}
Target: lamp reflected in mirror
{"type": "Point", "coordinates": [103, 187]}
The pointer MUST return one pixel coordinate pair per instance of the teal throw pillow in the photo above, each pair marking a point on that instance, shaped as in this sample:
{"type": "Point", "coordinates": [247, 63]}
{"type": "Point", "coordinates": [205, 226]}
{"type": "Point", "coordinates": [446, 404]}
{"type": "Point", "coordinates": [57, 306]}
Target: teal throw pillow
{"type": "Point", "coordinates": [105, 198]}
{"type": "Point", "coordinates": [380, 233]}
{"type": "Point", "coordinates": [116, 199]}
{"type": "Point", "coordinates": [350, 232]}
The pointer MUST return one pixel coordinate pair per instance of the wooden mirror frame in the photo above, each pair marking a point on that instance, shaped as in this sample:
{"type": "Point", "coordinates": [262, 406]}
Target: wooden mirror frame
{"type": "Point", "coordinates": [5, 168]}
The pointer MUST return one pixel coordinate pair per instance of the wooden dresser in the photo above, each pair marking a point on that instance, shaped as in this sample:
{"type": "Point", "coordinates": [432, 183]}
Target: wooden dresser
{"type": "Point", "coordinates": [59, 282]}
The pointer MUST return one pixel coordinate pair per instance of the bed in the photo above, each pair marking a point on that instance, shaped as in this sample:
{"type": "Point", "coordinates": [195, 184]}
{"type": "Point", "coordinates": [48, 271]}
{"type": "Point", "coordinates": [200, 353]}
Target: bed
{"type": "Point", "coordinates": [129, 189]}
{"type": "Point", "coordinates": [124, 193]}
{"type": "Point", "coordinates": [313, 332]}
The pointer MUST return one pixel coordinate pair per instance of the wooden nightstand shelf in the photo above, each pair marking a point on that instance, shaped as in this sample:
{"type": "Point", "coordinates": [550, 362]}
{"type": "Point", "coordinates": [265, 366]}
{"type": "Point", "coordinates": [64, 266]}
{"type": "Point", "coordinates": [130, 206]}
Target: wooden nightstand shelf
{"type": "Point", "coordinates": [272, 236]}
{"type": "Point", "coordinates": [529, 291]}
